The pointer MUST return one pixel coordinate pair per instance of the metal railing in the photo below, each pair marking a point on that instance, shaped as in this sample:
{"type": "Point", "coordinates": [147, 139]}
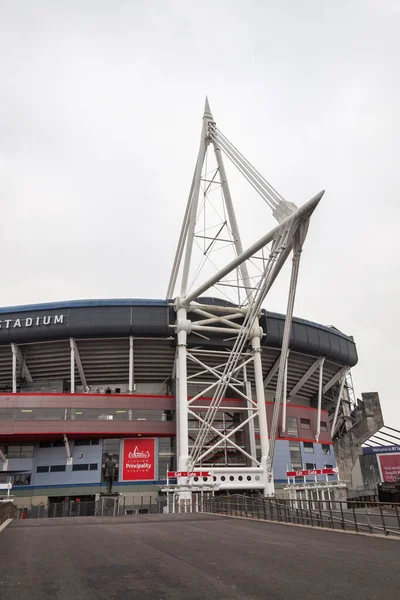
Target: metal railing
{"type": "Point", "coordinates": [372, 517]}
{"type": "Point", "coordinates": [92, 509]}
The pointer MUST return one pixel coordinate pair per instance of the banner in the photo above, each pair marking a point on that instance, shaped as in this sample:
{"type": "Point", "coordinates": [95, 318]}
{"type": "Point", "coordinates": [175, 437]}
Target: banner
{"type": "Point", "coordinates": [138, 459]}
{"type": "Point", "coordinates": [308, 472]}
{"type": "Point", "coordinates": [389, 466]}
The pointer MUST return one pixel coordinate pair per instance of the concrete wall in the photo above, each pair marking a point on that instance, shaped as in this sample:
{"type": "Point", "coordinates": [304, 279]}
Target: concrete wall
{"type": "Point", "coordinates": [368, 420]}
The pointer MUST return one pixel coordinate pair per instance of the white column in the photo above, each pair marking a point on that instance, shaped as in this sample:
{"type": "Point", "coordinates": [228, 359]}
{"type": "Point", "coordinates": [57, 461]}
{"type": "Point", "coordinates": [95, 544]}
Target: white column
{"type": "Point", "coordinates": [338, 401]}
{"type": "Point", "coordinates": [269, 487]}
{"type": "Point", "coordinates": [182, 397]}
{"type": "Point", "coordinates": [131, 364]}
{"type": "Point", "coordinates": [284, 403]}
{"type": "Point", "coordinates": [321, 374]}
{"type": "Point", "coordinates": [251, 429]}
{"type": "Point", "coordinates": [14, 368]}
{"type": "Point", "coordinates": [72, 346]}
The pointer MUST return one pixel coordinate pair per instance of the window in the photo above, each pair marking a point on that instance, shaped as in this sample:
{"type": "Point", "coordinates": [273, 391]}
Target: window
{"type": "Point", "coordinates": [57, 468]}
{"type": "Point", "coordinates": [80, 467]}
{"type": "Point", "coordinates": [311, 466]}
{"type": "Point", "coordinates": [58, 443]}
{"type": "Point", "coordinates": [42, 469]}
{"type": "Point", "coordinates": [21, 479]}
{"type": "Point", "coordinates": [55, 444]}
{"type": "Point", "coordinates": [93, 466]}
{"type": "Point", "coordinates": [292, 429]}
{"type": "Point", "coordinates": [87, 442]}
{"type": "Point", "coordinates": [326, 449]}
{"type": "Point", "coordinates": [20, 451]}
{"type": "Point", "coordinates": [328, 466]}
{"type": "Point", "coordinates": [305, 423]}
{"type": "Point", "coordinates": [308, 447]}
{"type": "Point", "coordinates": [324, 426]}
{"type": "Point", "coordinates": [295, 455]}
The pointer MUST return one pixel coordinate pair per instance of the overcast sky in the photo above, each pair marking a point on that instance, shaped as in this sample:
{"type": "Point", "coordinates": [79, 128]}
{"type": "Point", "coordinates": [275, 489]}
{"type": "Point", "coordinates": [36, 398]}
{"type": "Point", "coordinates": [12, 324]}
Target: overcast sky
{"type": "Point", "coordinates": [100, 115]}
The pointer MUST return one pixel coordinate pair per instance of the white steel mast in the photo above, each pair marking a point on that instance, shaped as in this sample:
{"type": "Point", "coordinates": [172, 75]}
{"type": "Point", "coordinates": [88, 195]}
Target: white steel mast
{"type": "Point", "coordinates": [214, 372]}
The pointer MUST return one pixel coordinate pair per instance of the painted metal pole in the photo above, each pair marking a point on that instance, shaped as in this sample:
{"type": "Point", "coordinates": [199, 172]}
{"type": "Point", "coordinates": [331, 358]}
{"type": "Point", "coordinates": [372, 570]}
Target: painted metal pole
{"type": "Point", "coordinates": [181, 242]}
{"type": "Point", "coordinates": [304, 211]}
{"type": "Point", "coordinates": [72, 346]}
{"type": "Point", "coordinates": [338, 402]}
{"type": "Point", "coordinates": [193, 206]}
{"type": "Point", "coordinates": [285, 394]}
{"type": "Point", "coordinates": [321, 375]}
{"type": "Point", "coordinates": [269, 488]}
{"type": "Point", "coordinates": [183, 326]}
{"type": "Point", "coordinates": [14, 368]}
{"type": "Point", "coordinates": [252, 434]}
{"type": "Point", "coordinates": [67, 448]}
{"type": "Point", "coordinates": [232, 217]}
{"type": "Point", "coordinates": [130, 364]}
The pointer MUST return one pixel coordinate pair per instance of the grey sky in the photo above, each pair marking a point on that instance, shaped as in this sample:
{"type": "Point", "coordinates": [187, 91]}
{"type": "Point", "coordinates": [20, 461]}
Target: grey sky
{"type": "Point", "coordinates": [100, 116]}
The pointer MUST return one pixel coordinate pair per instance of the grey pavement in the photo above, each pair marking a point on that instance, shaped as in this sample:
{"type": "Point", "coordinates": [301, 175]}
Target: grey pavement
{"type": "Point", "coordinates": [196, 557]}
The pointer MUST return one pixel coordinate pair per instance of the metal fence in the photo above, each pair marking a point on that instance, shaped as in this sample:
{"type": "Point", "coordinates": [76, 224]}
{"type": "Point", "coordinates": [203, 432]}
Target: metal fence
{"type": "Point", "coordinates": [105, 507]}
{"type": "Point", "coordinates": [372, 517]}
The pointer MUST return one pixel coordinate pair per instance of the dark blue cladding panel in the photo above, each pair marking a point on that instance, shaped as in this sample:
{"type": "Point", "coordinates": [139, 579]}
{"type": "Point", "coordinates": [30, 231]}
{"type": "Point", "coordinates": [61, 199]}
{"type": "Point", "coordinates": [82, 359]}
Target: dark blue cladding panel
{"type": "Point", "coordinates": [81, 322]}
{"type": "Point", "coordinates": [150, 318]}
{"type": "Point", "coordinates": [310, 338]}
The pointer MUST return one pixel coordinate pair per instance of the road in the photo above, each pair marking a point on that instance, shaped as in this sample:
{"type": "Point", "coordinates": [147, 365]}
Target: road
{"type": "Point", "coordinates": [196, 557]}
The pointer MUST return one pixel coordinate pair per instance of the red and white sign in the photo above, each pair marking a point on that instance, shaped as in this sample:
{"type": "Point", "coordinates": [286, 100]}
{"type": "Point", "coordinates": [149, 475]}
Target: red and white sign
{"type": "Point", "coordinates": [389, 466]}
{"type": "Point", "coordinates": [138, 459]}
{"type": "Point", "coordinates": [308, 472]}
{"type": "Point", "coordinates": [188, 474]}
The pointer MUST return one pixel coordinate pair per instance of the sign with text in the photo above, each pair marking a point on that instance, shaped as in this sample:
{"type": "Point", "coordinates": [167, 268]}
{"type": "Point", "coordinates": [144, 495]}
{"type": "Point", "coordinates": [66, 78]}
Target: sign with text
{"type": "Point", "coordinates": [188, 474]}
{"type": "Point", "coordinates": [389, 466]}
{"type": "Point", "coordinates": [381, 449]}
{"type": "Point", "coordinates": [138, 459]}
{"type": "Point", "coordinates": [308, 472]}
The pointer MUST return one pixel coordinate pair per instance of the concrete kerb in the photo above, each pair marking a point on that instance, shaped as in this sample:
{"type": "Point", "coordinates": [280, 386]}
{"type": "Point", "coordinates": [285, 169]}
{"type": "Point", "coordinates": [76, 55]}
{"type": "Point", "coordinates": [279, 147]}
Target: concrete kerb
{"type": "Point", "coordinates": [362, 533]}
{"type": "Point", "coordinates": [4, 525]}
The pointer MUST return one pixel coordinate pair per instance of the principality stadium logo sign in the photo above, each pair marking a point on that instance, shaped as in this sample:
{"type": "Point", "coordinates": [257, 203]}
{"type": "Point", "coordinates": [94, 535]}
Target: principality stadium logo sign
{"type": "Point", "coordinates": [33, 321]}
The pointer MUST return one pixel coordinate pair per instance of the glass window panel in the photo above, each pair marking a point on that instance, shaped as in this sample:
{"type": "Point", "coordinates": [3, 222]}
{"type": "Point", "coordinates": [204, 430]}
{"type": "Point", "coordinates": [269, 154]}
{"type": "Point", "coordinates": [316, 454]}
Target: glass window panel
{"type": "Point", "coordinates": [80, 467]}
{"type": "Point", "coordinates": [291, 426]}
{"type": "Point", "coordinates": [42, 469]}
{"type": "Point", "coordinates": [305, 423]}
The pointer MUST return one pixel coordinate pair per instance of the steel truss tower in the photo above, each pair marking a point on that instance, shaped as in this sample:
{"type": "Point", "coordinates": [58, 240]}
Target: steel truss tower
{"type": "Point", "coordinates": [203, 373]}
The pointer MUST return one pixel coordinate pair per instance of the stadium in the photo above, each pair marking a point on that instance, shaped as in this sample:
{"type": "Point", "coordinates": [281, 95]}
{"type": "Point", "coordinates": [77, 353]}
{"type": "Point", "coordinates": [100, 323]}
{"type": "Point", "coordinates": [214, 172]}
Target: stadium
{"type": "Point", "coordinates": [197, 383]}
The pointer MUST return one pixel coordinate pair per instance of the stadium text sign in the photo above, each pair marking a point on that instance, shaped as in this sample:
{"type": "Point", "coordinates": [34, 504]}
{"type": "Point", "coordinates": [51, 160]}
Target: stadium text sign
{"type": "Point", "coordinates": [32, 321]}
{"type": "Point", "coordinates": [389, 466]}
{"type": "Point", "coordinates": [138, 460]}
{"type": "Point", "coordinates": [188, 474]}
{"type": "Point", "coordinates": [307, 472]}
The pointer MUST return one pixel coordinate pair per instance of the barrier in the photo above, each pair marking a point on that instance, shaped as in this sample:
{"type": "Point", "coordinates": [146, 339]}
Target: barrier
{"type": "Point", "coordinates": [373, 517]}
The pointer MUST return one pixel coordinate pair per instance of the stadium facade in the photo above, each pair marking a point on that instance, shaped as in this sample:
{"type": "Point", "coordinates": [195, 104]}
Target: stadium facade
{"type": "Point", "coordinates": [82, 379]}
{"type": "Point", "coordinates": [205, 384]}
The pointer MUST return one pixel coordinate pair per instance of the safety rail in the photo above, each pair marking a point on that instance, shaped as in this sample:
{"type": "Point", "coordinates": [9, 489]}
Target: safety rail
{"type": "Point", "coordinates": [93, 508]}
{"type": "Point", "coordinates": [372, 517]}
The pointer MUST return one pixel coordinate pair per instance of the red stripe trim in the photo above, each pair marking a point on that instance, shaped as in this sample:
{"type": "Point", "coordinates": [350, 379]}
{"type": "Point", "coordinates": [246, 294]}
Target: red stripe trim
{"type": "Point", "coordinates": [203, 399]}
